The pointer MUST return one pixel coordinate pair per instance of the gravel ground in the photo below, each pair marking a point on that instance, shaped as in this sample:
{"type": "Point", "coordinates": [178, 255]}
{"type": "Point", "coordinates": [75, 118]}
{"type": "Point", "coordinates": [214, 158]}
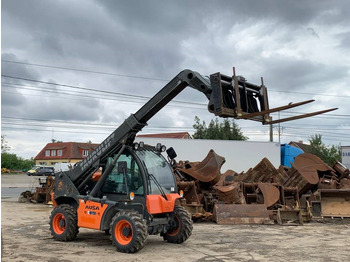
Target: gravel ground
{"type": "Point", "coordinates": [25, 236]}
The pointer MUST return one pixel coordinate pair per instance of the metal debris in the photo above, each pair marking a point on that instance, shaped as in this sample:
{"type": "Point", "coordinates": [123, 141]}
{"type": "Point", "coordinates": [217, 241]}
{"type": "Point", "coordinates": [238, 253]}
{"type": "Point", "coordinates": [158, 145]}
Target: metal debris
{"type": "Point", "coordinates": [206, 171]}
{"type": "Point", "coordinates": [241, 214]}
{"type": "Point", "coordinates": [42, 194]}
{"type": "Point", "coordinates": [264, 194]}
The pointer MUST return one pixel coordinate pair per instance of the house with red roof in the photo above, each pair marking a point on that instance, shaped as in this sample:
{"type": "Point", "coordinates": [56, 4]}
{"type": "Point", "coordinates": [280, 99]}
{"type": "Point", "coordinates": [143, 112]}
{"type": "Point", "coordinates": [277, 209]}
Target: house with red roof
{"type": "Point", "coordinates": [63, 152]}
{"type": "Point", "coordinates": [73, 152]}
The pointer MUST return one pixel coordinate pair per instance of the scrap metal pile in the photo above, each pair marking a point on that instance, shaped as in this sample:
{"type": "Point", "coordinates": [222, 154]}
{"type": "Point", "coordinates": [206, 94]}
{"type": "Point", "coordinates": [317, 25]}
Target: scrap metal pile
{"type": "Point", "coordinates": [42, 193]}
{"type": "Point", "coordinates": [264, 194]}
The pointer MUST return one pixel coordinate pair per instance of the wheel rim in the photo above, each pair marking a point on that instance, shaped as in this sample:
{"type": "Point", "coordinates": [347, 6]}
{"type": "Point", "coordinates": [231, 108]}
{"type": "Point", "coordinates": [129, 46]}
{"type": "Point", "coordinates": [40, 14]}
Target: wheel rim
{"type": "Point", "coordinates": [59, 223]}
{"type": "Point", "coordinates": [123, 232]}
{"type": "Point", "coordinates": [176, 230]}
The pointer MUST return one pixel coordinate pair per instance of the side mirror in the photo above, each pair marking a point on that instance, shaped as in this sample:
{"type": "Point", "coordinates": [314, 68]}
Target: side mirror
{"type": "Point", "coordinates": [122, 167]}
{"type": "Point", "coordinates": [171, 153]}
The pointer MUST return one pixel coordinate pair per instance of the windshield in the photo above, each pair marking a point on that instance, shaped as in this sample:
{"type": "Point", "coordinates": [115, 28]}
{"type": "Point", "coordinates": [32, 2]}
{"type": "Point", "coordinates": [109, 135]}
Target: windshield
{"type": "Point", "coordinates": [160, 169]}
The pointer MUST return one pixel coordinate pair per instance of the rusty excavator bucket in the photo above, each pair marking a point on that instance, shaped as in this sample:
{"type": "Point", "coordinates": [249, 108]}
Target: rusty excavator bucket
{"type": "Point", "coordinates": [237, 98]}
{"type": "Point", "coordinates": [207, 171]}
{"type": "Point", "coordinates": [262, 195]}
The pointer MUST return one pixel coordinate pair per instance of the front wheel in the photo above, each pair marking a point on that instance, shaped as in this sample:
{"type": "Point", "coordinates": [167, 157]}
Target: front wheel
{"type": "Point", "coordinates": [181, 226]}
{"type": "Point", "coordinates": [128, 231]}
{"type": "Point", "coordinates": [64, 223]}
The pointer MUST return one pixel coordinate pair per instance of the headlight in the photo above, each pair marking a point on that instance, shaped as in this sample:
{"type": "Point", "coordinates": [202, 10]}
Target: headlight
{"type": "Point", "coordinates": [160, 147]}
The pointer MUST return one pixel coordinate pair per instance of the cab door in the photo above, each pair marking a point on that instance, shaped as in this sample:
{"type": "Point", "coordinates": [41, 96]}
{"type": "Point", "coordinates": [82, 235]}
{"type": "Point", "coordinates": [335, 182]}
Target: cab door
{"type": "Point", "coordinates": [118, 186]}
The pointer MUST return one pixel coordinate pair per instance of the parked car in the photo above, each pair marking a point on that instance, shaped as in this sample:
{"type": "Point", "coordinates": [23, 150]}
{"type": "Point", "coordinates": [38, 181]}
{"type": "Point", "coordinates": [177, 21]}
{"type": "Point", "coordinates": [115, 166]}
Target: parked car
{"type": "Point", "coordinates": [32, 171]}
{"type": "Point", "coordinates": [45, 171]}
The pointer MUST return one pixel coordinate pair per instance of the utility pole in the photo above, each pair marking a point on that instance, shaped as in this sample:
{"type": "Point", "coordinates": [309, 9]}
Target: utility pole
{"type": "Point", "coordinates": [271, 132]}
{"type": "Point", "coordinates": [53, 139]}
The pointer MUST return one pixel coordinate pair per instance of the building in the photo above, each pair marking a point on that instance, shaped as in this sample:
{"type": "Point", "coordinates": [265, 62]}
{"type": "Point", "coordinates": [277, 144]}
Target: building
{"type": "Point", "coordinates": [345, 156]}
{"type": "Point", "coordinates": [178, 135]}
{"type": "Point", "coordinates": [63, 152]}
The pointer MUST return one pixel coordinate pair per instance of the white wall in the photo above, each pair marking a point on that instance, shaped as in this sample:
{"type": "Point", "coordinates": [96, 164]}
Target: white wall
{"type": "Point", "coordinates": [345, 159]}
{"type": "Point", "coordinates": [239, 155]}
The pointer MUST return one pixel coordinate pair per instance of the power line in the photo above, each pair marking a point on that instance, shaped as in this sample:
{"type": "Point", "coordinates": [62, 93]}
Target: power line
{"type": "Point", "coordinates": [87, 71]}
{"type": "Point", "coordinates": [59, 131]}
{"type": "Point", "coordinates": [69, 131]}
{"type": "Point", "coordinates": [105, 133]}
{"type": "Point", "coordinates": [313, 128]}
{"type": "Point", "coordinates": [150, 78]}
{"type": "Point", "coordinates": [305, 93]}
{"type": "Point", "coordinates": [133, 96]}
{"type": "Point", "coordinates": [39, 89]}
{"type": "Point", "coordinates": [293, 112]}
{"type": "Point", "coordinates": [91, 126]}
{"type": "Point", "coordinates": [81, 97]}
{"type": "Point", "coordinates": [307, 136]}
{"type": "Point", "coordinates": [72, 125]}
{"type": "Point", "coordinates": [96, 90]}
{"type": "Point", "coordinates": [69, 123]}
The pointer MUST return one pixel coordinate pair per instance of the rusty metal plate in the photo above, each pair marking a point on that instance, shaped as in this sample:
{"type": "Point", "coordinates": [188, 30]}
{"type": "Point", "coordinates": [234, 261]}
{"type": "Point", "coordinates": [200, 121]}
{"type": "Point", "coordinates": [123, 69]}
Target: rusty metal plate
{"type": "Point", "coordinates": [344, 183]}
{"type": "Point", "coordinates": [229, 194]}
{"type": "Point", "coordinates": [342, 170]}
{"type": "Point", "coordinates": [308, 164]}
{"type": "Point", "coordinates": [228, 177]}
{"type": "Point", "coordinates": [208, 170]}
{"type": "Point", "coordinates": [270, 192]}
{"type": "Point", "coordinates": [328, 183]}
{"type": "Point", "coordinates": [289, 217]}
{"type": "Point", "coordinates": [264, 171]}
{"type": "Point", "coordinates": [227, 214]}
{"type": "Point", "coordinates": [335, 202]}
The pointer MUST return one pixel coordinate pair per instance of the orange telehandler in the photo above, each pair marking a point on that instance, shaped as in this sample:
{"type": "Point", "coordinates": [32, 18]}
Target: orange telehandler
{"type": "Point", "coordinates": [136, 194]}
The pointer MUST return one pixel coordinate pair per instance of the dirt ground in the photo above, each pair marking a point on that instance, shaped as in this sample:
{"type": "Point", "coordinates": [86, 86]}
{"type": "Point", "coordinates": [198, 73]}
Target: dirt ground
{"type": "Point", "coordinates": [25, 236]}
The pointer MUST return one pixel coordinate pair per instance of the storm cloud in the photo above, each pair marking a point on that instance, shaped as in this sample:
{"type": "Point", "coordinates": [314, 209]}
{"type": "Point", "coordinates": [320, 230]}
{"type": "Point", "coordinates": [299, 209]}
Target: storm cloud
{"type": "Point", "coordinates": [71, 48]}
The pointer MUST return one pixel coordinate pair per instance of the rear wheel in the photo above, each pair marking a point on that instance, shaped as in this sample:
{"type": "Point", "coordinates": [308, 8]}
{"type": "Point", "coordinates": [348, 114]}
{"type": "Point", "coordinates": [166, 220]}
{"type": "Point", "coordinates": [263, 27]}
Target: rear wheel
{"type": "Point", "coordinates": [181, 226]}
{"type": "Point", "coordinates": [128, 231]}
{"type": "Point", "coordinates": [64, 223]}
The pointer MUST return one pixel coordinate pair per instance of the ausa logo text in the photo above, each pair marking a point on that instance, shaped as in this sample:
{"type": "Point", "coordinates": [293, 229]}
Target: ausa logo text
{"type": "Point", "coordinates": [92, 207]}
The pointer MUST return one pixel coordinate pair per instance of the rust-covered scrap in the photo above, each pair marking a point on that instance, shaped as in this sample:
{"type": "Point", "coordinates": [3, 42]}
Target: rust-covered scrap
{"type": "Point", "coordinates": [207, 171]}
{"type": "Point", "coordinates": [241, 214]}
{"type": "Point", "coordinates": [264, 193]}
{"type": "Point", "coordinates": [42, 193]}
{"type": "Point", "coordinates": [198, 179]}
{"type": "Point", "coordinates": [264, 171]}
{"type": "Point", "coordinates": [211, 195]}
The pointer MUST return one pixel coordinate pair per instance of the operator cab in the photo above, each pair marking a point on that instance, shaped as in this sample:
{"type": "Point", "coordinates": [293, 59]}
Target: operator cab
{"type": "Point", "coordinates": [139, 171]}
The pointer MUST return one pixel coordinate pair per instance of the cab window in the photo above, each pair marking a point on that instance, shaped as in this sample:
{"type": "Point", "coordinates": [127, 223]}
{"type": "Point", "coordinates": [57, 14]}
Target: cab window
{"type": "Point", "coordinates": [115, 182]}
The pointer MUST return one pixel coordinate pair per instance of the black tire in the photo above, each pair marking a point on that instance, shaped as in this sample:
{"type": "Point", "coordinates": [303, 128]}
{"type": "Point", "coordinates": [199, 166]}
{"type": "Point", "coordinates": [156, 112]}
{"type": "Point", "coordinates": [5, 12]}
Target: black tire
{"type": "Point", "coordinates": [128, 231]}
{"type": "Point", "coordinates": [182, 226]}
{"type": "Point", "coordinates": [64, 223]}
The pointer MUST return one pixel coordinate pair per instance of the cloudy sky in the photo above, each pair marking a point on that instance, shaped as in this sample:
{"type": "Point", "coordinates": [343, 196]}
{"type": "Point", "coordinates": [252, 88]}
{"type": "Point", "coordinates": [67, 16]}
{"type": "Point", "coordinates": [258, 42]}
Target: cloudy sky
{"type": "Point", "coordinates": [71, 69]}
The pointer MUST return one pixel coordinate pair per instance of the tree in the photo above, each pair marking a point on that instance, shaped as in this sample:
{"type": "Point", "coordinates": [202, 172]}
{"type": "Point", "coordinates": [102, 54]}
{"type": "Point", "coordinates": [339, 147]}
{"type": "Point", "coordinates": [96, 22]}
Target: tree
{"type": "Point", "coordinates": [4, 146]}
{"type": "Point", "coordinates": [12, 161]}
{"type": "Point", "coordinates": [226, 130]}
{"type": "Point", "coordinates": [328, 154]}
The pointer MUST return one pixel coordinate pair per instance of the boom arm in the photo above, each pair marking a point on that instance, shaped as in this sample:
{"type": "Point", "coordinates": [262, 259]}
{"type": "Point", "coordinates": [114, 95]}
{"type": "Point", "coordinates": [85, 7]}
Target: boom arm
{"type": "Point", "coordinates": [126, 132]}
{"type": "Point", "coordinates": [228, 97]}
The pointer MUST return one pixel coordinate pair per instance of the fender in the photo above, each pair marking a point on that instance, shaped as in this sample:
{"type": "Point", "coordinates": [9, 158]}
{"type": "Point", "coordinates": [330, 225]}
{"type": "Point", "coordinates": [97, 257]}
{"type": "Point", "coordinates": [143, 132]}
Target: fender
{"type": "Point", "coordinates": [90, 214]}
{"type": "Point", "coordinates": [157, 204]}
